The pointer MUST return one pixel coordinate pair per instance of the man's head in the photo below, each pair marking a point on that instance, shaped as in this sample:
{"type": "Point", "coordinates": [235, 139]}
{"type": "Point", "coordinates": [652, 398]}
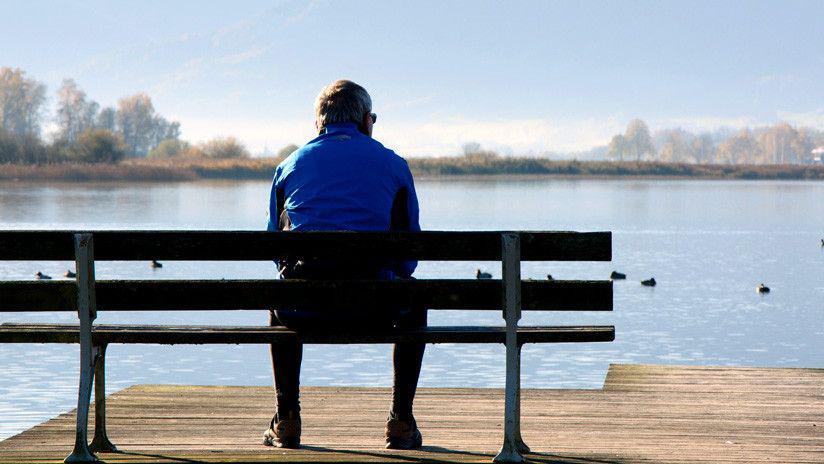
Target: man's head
{"type": "Point", "coordinates": [344, 101]}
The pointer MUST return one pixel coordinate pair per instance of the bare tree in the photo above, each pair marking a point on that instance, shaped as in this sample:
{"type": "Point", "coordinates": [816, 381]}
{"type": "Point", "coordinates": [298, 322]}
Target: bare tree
{"type": "Point", "coordinates": [638, 139]}
{"type": "Point", "coordinates": [470, 148]}
{"type": "Point", "coordinates": [803, 145]}
{"type": "Point", "coordinates": [107, 119]}
{"type": "Point", "coordinates": [135, 120]}
{"type": "Point", "coordinates": [739, 149]}
{"type": "Point", "coordinates": [677, 146]}
{"type": "Point", "coordinates": [703, 148]}
{"type": "Point", "coordinates": [75, 113]}
{"type": "Point", "coordinates": [784, 144]}
{"type": "Point", "coordinates": [617, 147]}
{"type": "Point", "coordinates": [21, 103]}
{"type": "Point", "coordinates": [142, 129]}
{"type": "Point", "coordinates": [163, 130]}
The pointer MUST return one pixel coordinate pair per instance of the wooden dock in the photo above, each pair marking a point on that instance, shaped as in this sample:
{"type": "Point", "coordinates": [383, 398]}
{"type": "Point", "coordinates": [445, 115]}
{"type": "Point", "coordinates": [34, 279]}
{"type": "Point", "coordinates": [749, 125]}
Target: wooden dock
{"type": "Point", "coordinates": [644, 413]}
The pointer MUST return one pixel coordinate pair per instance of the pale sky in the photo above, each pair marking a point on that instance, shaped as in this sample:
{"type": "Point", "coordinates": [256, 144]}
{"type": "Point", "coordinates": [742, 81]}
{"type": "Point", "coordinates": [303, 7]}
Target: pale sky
{"type": "Point", "coordinates": [521, 77]}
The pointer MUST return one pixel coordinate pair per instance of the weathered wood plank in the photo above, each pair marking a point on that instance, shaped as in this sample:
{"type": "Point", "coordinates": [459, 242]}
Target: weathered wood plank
{"type": "Point", "coordinates": [638, 377]}
{"type": "Point", "coordinates": [169, 335]}
{"type": "Point", "coordinates": [169, 423]}
{"type": "Point", "coordinates": [257, 245]}
{"type": "Point", "coordinates": [50, 295]}
{"type": "Point", "coordinates": [201, 295]}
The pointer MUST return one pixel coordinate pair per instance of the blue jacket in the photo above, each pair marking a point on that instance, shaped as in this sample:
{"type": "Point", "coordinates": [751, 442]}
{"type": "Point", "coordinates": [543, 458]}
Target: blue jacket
{"type": "Point", "coordinates": [345, 180]}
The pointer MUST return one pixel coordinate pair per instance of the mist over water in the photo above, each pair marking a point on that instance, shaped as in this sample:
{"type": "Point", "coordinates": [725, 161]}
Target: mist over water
{"type": "Point", "coordinates": [708, 244]}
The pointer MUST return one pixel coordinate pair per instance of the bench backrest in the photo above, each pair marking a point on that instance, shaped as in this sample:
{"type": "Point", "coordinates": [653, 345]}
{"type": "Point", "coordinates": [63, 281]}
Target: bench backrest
{"type": "Point", "coordinates": [132, 295]}
{"type": "Point", "coordinates": [509, 294]}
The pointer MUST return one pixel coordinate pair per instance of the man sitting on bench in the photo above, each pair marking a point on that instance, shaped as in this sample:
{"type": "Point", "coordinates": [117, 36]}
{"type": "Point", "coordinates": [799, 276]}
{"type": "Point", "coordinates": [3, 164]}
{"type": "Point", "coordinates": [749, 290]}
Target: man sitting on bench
{"type": "Point", "coordinates": [344, 180]}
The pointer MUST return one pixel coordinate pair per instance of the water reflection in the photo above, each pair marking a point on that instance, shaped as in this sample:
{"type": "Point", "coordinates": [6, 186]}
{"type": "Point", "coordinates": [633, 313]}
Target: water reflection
{"type": "Point", "coordinates": [708, 244]}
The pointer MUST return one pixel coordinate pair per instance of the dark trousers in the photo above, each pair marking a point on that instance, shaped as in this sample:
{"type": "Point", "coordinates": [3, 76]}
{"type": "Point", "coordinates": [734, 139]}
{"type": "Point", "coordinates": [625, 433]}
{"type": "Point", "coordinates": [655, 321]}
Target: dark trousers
{"type": "Point", "coordinates": [286, 357]}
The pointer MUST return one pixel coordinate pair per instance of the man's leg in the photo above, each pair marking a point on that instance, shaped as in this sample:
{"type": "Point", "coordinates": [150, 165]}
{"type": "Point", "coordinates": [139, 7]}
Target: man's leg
{"type": "Point", "coordinates": [407, 359]}
{"type": "Point", "coordinates": [286, 360]}
{"type": "Point", "coordinates": [401, 429]}
{"type": "Point", "coordinates": [284, 430]}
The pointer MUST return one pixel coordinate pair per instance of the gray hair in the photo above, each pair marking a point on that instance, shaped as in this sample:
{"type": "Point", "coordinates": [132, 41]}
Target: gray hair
{"type": "Point", "coordinates": [342, 101]}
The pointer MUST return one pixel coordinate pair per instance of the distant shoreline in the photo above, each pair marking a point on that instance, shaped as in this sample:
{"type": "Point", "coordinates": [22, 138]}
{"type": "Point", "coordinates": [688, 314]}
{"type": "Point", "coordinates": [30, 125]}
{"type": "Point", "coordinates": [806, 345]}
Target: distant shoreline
{"type": "Point", "coordinates": [503, 168]}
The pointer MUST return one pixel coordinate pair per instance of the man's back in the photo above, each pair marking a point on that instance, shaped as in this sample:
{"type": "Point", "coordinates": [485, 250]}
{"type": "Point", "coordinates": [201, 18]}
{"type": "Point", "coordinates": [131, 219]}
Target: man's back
{"type": "Point", "coordinates": [343, 180]}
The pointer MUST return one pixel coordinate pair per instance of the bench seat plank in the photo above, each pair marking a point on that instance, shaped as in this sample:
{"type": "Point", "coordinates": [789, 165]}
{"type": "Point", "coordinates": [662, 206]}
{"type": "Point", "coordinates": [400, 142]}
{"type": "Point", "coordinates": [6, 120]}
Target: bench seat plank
{"type": "Point", "coordinates": [162, 334]}
{"type": "Point", "coordinates": [200, 295]}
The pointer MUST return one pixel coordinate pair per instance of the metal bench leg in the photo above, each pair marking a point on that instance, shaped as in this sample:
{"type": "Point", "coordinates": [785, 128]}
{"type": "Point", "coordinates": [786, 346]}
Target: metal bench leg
{"type": "Point", "coordinates": [81, 451]}
{"type": "Point", "coordinates": [511, 265]}
{"type": "Point", "coordinates": [84, 262]}
{"type": "Point", "coordinates": [100, 442]}
{"type": "Point", "coordinates": [513, 442]}
{"type": "Point", "coordinates": [519, 442]}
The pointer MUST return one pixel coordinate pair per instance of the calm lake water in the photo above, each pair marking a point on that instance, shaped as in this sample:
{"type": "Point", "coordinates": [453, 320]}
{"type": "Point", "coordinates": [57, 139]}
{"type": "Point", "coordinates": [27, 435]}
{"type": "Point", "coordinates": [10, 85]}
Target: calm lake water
{"type": "Point", "coordinates": [708, 244]}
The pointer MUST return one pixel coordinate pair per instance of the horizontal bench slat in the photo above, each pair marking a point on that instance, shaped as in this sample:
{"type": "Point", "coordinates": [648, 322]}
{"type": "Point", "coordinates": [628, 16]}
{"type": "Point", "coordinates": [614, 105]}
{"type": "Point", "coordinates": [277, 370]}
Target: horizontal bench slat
{"type": "Point", "coordinates": [257, 245]}
{"type": "Point", "coordinates": [38, 296]}
{"type": "Point", "coordinates": [153, 295]}
{"type": "Point", "coordinates": [170, 335]}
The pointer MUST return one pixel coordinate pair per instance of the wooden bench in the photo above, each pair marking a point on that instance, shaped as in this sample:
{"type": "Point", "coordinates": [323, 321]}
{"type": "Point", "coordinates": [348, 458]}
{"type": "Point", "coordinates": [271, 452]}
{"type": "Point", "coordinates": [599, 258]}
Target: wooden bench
{"type": "Point", "coordinates": [87, 296]}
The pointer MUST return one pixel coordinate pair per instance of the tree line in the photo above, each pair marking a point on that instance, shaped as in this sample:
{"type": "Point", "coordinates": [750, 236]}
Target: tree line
{"type": "Point", "coordinates": [86, 132]}
{"type": "Point", "coordinates": [781, 143]}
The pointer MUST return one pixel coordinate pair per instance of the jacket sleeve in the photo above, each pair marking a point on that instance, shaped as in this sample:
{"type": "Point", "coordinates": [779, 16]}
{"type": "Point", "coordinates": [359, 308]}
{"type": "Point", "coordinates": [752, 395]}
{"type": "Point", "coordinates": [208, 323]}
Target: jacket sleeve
{"type": "Point", "coordinates": [274, 211]}
{"type": "Point", "coordinates": [406, 216]}
{"type": "Point", "coordinates": [276, 206]}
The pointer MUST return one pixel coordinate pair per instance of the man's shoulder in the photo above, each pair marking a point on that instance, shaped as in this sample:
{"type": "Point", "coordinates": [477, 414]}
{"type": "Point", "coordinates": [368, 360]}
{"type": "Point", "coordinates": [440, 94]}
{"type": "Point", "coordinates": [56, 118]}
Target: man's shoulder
{"type": "Point", "coordinates": [297, 155]}
{"type": "Point", "coordinates": [323, 145]}
{"type": "Point", "coordinates": [395, 158]}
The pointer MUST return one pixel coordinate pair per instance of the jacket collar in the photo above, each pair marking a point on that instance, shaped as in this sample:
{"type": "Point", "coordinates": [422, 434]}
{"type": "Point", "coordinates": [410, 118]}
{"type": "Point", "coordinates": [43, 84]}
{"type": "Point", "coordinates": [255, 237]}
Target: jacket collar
{"type": "Point", "coordinates": [340, 127]}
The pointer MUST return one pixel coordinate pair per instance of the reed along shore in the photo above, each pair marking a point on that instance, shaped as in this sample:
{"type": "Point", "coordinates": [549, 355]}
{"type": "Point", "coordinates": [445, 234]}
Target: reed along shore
{"type": "Point", "coordinates": [185, 169]}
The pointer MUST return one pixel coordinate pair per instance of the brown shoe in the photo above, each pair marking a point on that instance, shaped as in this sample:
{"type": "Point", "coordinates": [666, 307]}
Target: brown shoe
{"type": "Point", "coordinates": [402, 434]}
{"type": "Point", "coordinates": [283, 433]}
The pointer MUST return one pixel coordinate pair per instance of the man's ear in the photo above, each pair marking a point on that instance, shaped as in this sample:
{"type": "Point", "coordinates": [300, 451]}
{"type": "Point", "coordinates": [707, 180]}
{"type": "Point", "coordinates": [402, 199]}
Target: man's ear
{"type": "Point", "coordinates": [366, 124]}
{"type": "Point", "coordinates": [317, 126]}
